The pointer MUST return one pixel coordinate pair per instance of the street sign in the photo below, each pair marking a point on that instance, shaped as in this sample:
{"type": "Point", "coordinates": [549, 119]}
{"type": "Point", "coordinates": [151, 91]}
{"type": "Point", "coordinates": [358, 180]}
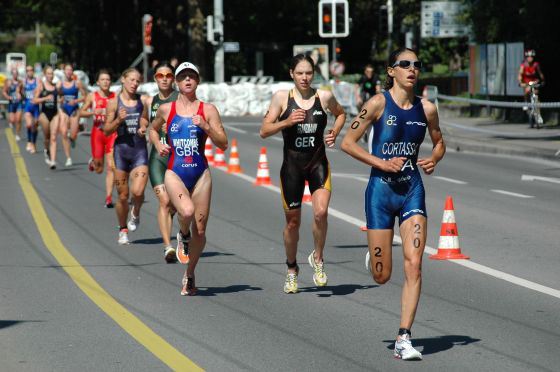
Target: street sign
{"type": "Point", "coordinates": [53, 58]}
{"type": "Point", "coordinates": [231, 47]}
{"type": "Point", "coordinates": [440, 19]}
{"type": "Point", "coordinates": [334, 20]}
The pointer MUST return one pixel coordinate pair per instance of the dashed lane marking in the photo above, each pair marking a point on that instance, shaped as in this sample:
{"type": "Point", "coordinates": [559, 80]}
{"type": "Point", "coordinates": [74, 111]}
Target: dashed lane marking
{"type": "Point", "coordinates": [514, 194]}
{"type": "Point", "coordinates": [428, 250]}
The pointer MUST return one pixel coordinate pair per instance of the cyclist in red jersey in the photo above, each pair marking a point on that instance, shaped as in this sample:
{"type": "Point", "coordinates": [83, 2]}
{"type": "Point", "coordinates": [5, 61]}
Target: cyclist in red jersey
{"type": "Point", "coordinates": [530, 71]}
{"type": "Point", "coordinates": [101, 145]}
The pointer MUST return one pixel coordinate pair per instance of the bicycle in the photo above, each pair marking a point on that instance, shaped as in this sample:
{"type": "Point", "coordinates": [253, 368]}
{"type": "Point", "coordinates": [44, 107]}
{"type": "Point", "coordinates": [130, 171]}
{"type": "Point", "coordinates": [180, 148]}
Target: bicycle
{"type": "Point", "coordinates": [533, 109]}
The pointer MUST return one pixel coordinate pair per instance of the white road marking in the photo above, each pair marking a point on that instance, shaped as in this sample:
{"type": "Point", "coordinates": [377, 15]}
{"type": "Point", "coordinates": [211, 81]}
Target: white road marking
{"type": "Point", "coordinates": [234, 129]}
{"type": "Point", "coordinates": [429, 250]}
{"type": "Point", "coordinates": [458, 182]}
{"type": "Point", "coordinates": [509, 193]}
{"type": "Point", "coordinates": [528, 177]}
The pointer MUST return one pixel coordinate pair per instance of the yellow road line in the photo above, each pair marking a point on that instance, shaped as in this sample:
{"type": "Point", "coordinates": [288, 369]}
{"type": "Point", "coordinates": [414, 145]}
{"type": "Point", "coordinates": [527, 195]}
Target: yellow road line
{"type": "Point", "coordinates": [124, 318]}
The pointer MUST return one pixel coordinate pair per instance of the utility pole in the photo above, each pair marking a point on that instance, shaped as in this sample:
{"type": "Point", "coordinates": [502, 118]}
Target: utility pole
{"type": "Point", "coordinates": [219, 31]}
{"type": "Point", "coordinates": [37, 35]}
{"type": "Point", "coordinates": [389, 26]}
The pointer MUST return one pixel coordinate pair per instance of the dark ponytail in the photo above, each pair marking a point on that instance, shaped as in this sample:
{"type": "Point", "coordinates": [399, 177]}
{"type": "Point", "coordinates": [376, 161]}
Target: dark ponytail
{"type": "Point", "coordinates": [393, 57]}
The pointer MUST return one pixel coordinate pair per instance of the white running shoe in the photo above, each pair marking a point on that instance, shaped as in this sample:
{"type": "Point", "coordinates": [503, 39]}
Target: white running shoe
{"type": "Point", "coordinates": [123, 237]}
{"type": "Point", "coordinates": [133, 222]}
{"type": "Point", "coordinates": [68, 162]}
{"type": "Point", "coordinates": [169, 254]}
{"type": "Point", "coordinates": [182, 251]}
{"type": "Point", "coordinates": [319, 275]}
{"type": "Point", "coordinates": [51, 164]}
{"type": "Point", "coordinates": [404, 349]}
{"type": "Point", "coordinates": [18, 138]}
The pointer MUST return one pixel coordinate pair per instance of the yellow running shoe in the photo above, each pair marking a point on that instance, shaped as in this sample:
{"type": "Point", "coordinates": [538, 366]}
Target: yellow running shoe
{"type": "Point", "coordinates": [290, 285]}
{"type": "Point", "coordinates": [319, 276]}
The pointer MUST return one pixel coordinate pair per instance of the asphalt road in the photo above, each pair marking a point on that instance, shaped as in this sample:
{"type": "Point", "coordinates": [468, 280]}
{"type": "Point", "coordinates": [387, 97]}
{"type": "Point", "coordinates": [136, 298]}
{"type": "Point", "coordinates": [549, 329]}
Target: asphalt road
{"type": "Point", "coordinates": [468, 319]}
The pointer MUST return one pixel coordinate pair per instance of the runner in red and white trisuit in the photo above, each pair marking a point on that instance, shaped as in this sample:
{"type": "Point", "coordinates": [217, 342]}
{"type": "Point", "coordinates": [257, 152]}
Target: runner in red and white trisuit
{"type": "Point", "coordinates": [101, 145]}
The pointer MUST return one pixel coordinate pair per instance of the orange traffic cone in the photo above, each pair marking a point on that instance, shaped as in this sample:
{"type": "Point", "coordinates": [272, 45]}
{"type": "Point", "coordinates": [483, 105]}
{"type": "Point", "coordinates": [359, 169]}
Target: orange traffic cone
{"type": "Point", "coordinates": [448, 246]}
{"type": "Point", "coordinates": [220, 158]}
{"type": "Point", "coordinates": [263, 174]}
{"type": "Point", "coordinates": [208, 153]}
{"type": "Point", "coordinates": [306, 194]}
{"type": "Point", "coordinates": [233, 165]}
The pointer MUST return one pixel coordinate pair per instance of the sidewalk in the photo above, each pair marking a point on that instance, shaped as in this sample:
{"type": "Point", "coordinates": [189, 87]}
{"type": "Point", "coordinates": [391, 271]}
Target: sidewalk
{"type": "Point", "coordinates": [491, 136]}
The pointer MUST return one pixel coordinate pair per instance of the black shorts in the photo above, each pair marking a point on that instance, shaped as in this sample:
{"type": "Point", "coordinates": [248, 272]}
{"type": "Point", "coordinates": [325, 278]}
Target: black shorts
{"type": "Point", "coordinates": [300, 167]}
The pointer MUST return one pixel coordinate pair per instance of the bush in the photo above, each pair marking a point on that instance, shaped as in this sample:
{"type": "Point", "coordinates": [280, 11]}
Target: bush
{"type": "Point", "coordinates": [39, 53]}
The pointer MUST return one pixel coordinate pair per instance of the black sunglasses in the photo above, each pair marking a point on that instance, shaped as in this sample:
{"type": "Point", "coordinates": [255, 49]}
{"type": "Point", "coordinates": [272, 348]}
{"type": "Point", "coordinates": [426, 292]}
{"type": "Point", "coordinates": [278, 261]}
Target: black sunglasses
{"type": "Point", "coordinates": [406, 64]}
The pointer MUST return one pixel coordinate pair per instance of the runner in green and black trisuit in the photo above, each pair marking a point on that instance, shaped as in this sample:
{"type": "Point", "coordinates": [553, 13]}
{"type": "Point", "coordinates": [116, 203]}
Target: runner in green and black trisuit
{"type": "Point", "coordinates": [164, 77]}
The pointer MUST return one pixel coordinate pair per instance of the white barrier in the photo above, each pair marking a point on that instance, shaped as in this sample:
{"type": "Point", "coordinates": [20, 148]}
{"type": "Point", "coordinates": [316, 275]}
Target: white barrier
{"type": "Point", "coordinates": [247, 98]}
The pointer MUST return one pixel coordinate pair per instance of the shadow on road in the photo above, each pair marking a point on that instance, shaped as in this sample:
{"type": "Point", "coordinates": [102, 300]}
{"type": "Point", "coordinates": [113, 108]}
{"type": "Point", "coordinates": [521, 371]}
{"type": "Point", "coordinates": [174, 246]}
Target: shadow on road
{"type": "Point", "coordinates": [351, 246]}
{"type": "Point", "coordinates": [9, 323]}
{"type": "Point", "coordinates": [437, 344]}
{"type": "Point", "coordinates": [213, 291]}
{"type": "Point", "coordinates": [336, 290]}
{"type": "Point", "coordinates": [215, 254]}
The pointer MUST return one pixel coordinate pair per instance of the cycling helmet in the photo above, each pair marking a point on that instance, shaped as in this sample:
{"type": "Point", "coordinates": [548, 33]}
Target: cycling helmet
{"type": "Point", "coordinates": [530, 53]}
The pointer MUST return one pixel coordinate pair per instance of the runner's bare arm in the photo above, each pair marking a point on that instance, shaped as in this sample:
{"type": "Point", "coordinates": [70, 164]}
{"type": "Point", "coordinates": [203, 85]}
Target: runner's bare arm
{"type": "Point", "coordinates": [371, 111]}
{"type": "Point", "coordinates": [438, 150]}
{"type": "Point", "coordinates": [36, 99]}
{"type": "Point", "coordinates": [214, 128]}
{"type": "Point", "coordinates": [7, 83]}
{"type": "Point", "coordinates": [155, 127]}
{"type": "Point", "coordinates": [143, 121]}
{"type": "Point", "coordinates": [113, 120]}
{"type": "Point", "coordinates": [84, 110]}
{"type": "Point", "coordinates": [83, 92]}
{"type": "Point", "coordinates": [270, 126]}
{"type": "Point", "coordinates": [340, 118]}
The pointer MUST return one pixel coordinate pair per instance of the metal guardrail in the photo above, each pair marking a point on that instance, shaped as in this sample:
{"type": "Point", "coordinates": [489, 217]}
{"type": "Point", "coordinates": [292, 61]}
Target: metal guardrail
{"type": "Point", "coordinates": [482, 102]}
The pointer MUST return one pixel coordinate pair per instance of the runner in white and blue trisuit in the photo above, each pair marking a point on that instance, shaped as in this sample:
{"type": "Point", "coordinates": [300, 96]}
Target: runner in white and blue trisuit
{"type": "Point", "coordinates": [13, 92]}
{"type": "Point", "coordinates": [397, 121]}
{"type": "Point", "coordinates": [31, 109]}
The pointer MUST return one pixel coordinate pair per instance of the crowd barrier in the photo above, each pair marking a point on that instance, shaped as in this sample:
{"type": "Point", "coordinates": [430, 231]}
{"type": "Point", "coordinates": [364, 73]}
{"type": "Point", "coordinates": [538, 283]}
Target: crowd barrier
{"type": "Point", "coordinates": [249, 98]}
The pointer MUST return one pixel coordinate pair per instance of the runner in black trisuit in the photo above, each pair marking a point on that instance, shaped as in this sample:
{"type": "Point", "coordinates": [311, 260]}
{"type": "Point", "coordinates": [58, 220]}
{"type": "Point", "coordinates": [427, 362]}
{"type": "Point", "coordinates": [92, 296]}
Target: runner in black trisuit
{"type": "Point", "coordinates": [301, 116]}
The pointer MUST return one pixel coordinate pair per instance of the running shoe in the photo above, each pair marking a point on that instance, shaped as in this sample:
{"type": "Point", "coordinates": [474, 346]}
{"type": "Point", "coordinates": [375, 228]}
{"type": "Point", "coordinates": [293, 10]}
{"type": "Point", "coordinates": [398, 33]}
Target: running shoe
{"type": "Point", "coordinates": [18, 138]}
{"type": "Point", "coordinates": [28, 147]}
{"type": "Point", "coordinates": [68, 162]}
{"type": "Point", "coordinates": [109, 202]}
{"type": "Point", "coordinates": [368, 261]}
{"type": "Point", "coordinates": [170, 254]}
{"type": "Point", "coordinates": [91, 168]}
{"type": "Point", "coordinates": [51, 164]}
{"type": "Point", "coordinates": [32, 149]}
{"type": "Point", "coordinates": [404, 349]}
{"type": "Point", "coordinates": [123, 237]}
{"type": "Point", "coordinates": [290, 284]}
{"type": "Point", "coordinates": [134, 221]}
{"type": "Point", "coordinates": [188, 288]}
{"type": "Point", "coordinates": [319, 276]}
{"type": "Point", "coordinates": [182, 250]}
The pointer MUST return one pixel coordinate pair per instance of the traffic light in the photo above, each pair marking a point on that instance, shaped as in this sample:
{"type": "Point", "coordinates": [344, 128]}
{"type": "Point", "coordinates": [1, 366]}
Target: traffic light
{"type": "Point", "coordinates": [333, 18]}
{"type": "Point", "coordinates": [325, 17]}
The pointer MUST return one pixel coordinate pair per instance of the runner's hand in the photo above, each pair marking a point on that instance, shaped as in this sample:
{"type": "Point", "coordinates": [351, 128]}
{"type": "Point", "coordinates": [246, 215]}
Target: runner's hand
{"type": "Point", "coordinates": [330, 138]}
{"type": "Point", "coordinates": [141, 131]}
{"type": "Point", "coordinates": [428, 165]}
{"type": "Point", "coordinates": [163, 150]}
{"type": "Point", "coordinates": [200, 122]}
{"type": "Point", "coordinates": [72, 102]}
{"type": "Point", "coordinates": [393, 165]}
{"type": "Point", "coordinates": [122, 114]}
{"type": "Point", "coordinates": [297, 116]}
